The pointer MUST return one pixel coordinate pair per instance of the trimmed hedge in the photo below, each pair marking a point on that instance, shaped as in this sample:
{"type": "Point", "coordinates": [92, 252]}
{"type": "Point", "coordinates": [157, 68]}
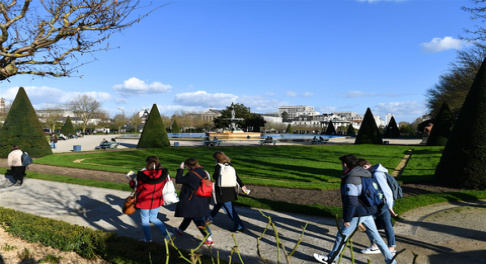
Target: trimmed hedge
{"type": "Point", "coordinates": [368, 132]}
{"type": "Point", "coordinates": [154, 134]}
{"type": "Point", "coordinates": [22, 128]}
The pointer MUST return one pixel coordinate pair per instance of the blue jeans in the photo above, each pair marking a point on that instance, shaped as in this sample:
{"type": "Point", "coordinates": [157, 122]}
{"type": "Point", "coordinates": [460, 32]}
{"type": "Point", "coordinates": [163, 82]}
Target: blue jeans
{"type": "Point", "coordinates": [198, 221]}
{"type": "Point", "coordinates": [53, 144]}
{"type": "Point", "coordinates": [230, 211]}
{"type": "Point", "coordinates": [150, 215]}
{"type": "Point", "coordinates": [384, 220]}
{"type": "Point", "coordinates": [369, 223]}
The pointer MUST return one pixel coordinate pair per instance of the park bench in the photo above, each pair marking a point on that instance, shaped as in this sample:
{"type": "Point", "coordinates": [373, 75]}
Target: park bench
{"type": "Point", "coordinates": [107, 145]}
{"type": "Point", "coordinates": [268, 142]}
{"type": "Point", "coordinates": [211, 143]}
{"type": "Point", "coordinates": [319, 141]}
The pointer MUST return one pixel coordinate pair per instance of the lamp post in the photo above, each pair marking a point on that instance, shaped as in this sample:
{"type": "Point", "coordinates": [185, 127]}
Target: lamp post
{"type": "Point", "coordinates": [123, 114]}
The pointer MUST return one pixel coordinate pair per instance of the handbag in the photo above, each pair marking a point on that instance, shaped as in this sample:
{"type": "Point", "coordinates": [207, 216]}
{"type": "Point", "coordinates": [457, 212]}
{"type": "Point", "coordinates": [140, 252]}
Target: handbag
{"type": "Point", "coordinates": [169, 193]}
{"type": "Point", "coordinates": [129, 205]}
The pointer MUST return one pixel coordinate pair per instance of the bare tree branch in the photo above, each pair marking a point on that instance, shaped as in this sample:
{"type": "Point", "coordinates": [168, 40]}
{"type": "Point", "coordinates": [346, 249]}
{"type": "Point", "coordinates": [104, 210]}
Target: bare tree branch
{"type": "Point", "coordinates": [43, 38]}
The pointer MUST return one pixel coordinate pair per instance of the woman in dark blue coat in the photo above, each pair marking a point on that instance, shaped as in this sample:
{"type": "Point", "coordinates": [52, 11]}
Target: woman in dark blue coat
{"type": "Point", "coordinates": [190, 206]}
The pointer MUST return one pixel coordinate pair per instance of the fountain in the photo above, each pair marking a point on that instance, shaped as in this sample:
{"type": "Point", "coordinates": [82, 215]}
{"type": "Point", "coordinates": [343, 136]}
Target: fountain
{"type": "Point", "coordinates": [233, 131]}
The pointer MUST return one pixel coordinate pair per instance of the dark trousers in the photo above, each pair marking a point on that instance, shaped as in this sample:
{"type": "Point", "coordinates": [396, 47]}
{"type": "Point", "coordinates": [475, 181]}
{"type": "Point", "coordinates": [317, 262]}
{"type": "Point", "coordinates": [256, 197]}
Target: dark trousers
{"type": "Point", "coordinates": [18, 172]}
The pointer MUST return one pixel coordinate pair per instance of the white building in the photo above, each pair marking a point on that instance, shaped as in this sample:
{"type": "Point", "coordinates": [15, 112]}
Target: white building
{"type": "Point", "coordinates": [297, 110]}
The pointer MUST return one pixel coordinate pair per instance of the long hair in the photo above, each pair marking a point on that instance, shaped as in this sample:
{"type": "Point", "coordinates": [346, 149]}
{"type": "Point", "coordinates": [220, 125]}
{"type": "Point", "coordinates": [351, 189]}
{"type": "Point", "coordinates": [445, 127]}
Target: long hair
{"type": "Point", "coordinates": [220, 157]}
{"type": "Point", "coordinates": [192, 163]}
{"type": "Point", "coordinates": [152, 163]}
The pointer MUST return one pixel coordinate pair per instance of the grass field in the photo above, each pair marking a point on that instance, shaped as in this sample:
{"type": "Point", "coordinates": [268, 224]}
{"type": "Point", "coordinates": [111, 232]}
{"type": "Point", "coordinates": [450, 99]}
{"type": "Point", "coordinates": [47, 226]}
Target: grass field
{"type": "Point", "coordinates": [310, 167]}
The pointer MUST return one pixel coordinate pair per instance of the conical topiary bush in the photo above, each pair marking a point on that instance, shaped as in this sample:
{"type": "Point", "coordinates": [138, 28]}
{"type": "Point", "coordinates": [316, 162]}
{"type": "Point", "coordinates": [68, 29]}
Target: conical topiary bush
{"type": "Point", "coordinates": [391, 130]}
{"type": "Point", "coordinates": [290, 130]}
{"type": "Point", "coordinates": [68, 127]}
{"type": "Point", "coordinates": [368, 132]}
{"type": "Point", "coordinates": [154, 134]}
{"type": "Point", "coordinates": [22, 128]}
{"type": "Point", "coordinates": [330, 130]}
{"type": "Point", "coordinates": [441, 130]}
{"type": "Point", "coordinates": [350, 131]}
{"type": "Point", "coordinates": [175, 127]}
{"type": "Point", "coordinates": [463, 162]}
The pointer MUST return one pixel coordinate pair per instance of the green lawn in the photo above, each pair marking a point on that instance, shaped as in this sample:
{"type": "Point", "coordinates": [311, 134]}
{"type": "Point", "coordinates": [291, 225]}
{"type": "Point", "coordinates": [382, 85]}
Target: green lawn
{"type": "Point", "coordinates": [310, 167]}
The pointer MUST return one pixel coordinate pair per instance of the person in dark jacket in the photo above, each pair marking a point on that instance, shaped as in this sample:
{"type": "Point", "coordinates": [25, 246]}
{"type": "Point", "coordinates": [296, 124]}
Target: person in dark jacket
{"type": "Point", "coordinates": [354, 213]}
{"type": "Point", "coordinates": [225, 195]}
{"type": "Point", "coordinates": [149, 183]}
{"type": "Point", "coordinates": [191, 206]}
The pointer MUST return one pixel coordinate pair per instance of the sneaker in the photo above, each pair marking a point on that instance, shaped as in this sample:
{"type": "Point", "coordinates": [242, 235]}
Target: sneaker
{"type": "Point", "coordinates": [169, 236]}
{"type": "Point", "coordinates": [371, 250]}
{"type": "Point", "coordinates": [177, 232]}
{"type": "Point", "coordinates": [18, 183]}
{"type": "Point", "coordinates": [208, 242]}
{"type": "Point", "coordinates": [322, 258]}
{"type": "Point", "coordinates": [144, 240]}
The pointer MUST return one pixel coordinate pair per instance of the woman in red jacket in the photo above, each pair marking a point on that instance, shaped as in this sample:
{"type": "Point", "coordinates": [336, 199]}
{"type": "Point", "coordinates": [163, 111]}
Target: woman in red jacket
{"type": "Point", "coordinates": [149, 184]}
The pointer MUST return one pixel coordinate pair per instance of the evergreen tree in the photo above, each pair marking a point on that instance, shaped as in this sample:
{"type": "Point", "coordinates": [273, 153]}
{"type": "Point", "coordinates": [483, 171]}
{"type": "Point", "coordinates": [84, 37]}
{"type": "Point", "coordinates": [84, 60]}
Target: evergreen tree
{"type": "Point", "coordinates": [350, 131]}
{"type": "Point", "coordinates": [68, 127]}
{"type": "Point", "coordinates": [330, 130]}
{"type": "Point", "coordinates": [463, 161]}
{"type": "Point", "coordinates": [154, 134]}
{"type": "Point", "coordinates": [392, 131]}
{"type": "Point", "coordinates": [289, 129]}
{"type": "Point", "coordinates": [442, 128]}
{"type": "Point", "coordinates": [368, 132]}
{"type": "Point", "coordinates": [175, 127]}
{"type": "Point", "coordinates": [22, 128]}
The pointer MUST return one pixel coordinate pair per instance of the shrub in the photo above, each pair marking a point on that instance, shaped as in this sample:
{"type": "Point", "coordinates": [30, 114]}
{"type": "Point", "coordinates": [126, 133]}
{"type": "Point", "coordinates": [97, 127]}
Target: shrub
{"type": "Point", "coordinates": [350, 131]}
{"type": "Point", "coordinates": [391, 130]}
{"type": "Point", "coordinates": [330, 130]}
{"type": "Point", "coordinates": [368, 132]}
{"type": "Point", "coordinates": [22, 128]}
{"type": "Point", "coordinates": [441, 130]}
{"type": "Point", "coordinates": [154, 134]}
{"type": "Point", "coordinates": [463, 163]}
{"type": "Point", "coordinates": [175, 128]}
{"type": "Point", "coordinates": [68, 127]}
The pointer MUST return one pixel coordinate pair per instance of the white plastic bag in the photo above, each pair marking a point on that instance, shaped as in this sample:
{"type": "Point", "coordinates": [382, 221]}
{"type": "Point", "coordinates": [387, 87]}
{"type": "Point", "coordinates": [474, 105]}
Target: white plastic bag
{"type": "Point", "coordinates": [169, 193]}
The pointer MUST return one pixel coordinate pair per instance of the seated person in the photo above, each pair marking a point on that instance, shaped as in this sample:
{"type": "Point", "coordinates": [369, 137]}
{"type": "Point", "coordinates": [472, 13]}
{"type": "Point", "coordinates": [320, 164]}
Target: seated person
{"type": "Point", "coordinates": [104, 141]}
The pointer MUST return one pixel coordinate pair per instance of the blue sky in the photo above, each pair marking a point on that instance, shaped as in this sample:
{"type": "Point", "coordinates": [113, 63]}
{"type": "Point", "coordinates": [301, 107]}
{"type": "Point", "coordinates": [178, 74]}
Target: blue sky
{"type": "Point", "coordinates": [337, 56]}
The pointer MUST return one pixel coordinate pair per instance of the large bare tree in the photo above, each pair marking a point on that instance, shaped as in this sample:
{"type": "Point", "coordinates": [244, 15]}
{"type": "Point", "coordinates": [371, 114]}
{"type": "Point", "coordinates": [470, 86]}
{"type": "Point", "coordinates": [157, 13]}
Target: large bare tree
{"type": "Point", "coordinates": [43, 37]}
{"type": "Point", "coordinates": [84, 107]}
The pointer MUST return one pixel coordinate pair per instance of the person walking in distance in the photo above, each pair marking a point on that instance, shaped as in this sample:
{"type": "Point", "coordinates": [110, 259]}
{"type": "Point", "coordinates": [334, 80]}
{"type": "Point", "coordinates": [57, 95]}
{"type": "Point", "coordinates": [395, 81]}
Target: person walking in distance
{"type": "Point", "coordinates": [383, 217]}
{"type": "Point", "coordinates": [14, 161]}
{"type": "Point", "coordinates": [354, 212]}
{"type": "Point", "coordinates": [192, 207]}
{"type": "Point", "coordinates": [227, 184]}
{"type": "Point", "coordinates": [149, 183]}
{"type": "Point", "coordinates": [54, 140]}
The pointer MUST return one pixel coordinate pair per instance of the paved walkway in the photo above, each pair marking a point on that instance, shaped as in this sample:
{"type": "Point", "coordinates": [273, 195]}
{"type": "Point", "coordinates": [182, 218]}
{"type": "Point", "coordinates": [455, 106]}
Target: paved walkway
{"type": "Point", "coordinates": [444, 233]}
{"type": "Point", "coordinates": [91, 141]}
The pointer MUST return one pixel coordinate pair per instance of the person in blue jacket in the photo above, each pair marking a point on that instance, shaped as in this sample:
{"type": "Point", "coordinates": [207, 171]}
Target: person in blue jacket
{"type": "Point", "coordinates": [354, 213]}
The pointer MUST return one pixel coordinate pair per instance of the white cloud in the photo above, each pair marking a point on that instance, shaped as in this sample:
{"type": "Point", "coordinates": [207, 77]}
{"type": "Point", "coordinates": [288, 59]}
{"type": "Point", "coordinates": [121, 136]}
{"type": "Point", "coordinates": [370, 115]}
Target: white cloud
{"type": "Point", "coordinates": [441, 44]}
{"type": "Point", "coordinates": [326, 109]}
{"type": "Point", "coordinates": [44, 96]}
{"type": "Point", "coordinates": [307, 94]}
{"type": "Point", "coordinates": [403, 111]}
{"type": "Point", "coordinates": [204, 99]}
{"type": "Point", "coordinates": [260, 104]}
{"type": "Point", "coordinates": [359, 94]}
{"type": "Point", "coordinates": [291, 94]}
{"type": "Point", "coordinates": [134, 86]}
{"type": "Point", "coordinates": [270, 94]}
